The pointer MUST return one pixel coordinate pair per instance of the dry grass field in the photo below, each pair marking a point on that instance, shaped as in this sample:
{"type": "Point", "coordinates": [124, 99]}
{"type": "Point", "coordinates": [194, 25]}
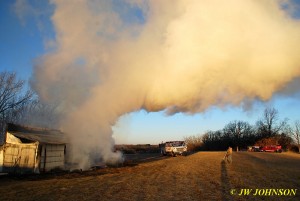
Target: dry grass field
{"type": "Point", "coordinates": [199, 176]}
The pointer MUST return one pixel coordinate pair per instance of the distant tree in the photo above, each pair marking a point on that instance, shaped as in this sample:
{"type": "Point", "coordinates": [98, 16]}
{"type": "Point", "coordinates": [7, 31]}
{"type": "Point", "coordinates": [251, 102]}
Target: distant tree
{"type": "Point", "coordinates": [270, 125]}
{"type": "Point", "coordinates": [285, 140]}
{"type": "Point", "coordinates": [215, 140]}
{"type": "Point", "coordinates": [39, 114]}
{"type": "Point", "coordinates": [296, 133]}
{"type": "Point", "coordinates": [281, 139]}
{"type": "Point", "coordinates": [267, 141]}
{"type": "Point", "coordinates": [205, 138]}
{"type": "Point", "coordinates": [209, 139]}
{"type": "Point", "coordinates": [194, 143]}
{"type": "Point", "coordinates": [13, 96]}
{"type": "Point", "coordinates": [237, 131]}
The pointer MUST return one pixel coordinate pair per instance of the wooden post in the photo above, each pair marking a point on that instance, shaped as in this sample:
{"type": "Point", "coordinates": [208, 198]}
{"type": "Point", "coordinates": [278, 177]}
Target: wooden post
{"type": "Point", "coordinates": [45, 155]}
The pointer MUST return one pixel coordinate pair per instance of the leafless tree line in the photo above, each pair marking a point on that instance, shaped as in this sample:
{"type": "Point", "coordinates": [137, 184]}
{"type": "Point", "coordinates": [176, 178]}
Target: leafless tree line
{"type": "Point", "coordinates": [240, 134]}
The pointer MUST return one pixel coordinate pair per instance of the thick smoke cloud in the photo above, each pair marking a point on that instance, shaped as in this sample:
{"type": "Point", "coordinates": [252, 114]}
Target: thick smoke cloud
{"type": "Point", "coordinates": [115, 57]}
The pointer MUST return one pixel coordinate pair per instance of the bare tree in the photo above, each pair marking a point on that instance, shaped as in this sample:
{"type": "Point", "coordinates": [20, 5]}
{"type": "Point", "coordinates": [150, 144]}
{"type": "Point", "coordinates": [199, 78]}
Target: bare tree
{"type": "Point", "coordinates": [13, 97]}
{"type": "Point", "coordinates": [237, 130]}
{"type": "Point", "coordinates": [194, 142]}
{"type": "Point", "coordinates": [39, 114]}
{"type": "Point", "coordinates": [270, 125]}
{"type": "Point", "coordinates": [296, 134]}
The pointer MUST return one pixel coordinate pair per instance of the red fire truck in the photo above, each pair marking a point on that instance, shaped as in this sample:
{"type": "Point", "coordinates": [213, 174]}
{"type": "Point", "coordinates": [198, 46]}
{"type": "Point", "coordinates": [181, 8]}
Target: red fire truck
{"type": "Point", "coordinates": [271, 148]}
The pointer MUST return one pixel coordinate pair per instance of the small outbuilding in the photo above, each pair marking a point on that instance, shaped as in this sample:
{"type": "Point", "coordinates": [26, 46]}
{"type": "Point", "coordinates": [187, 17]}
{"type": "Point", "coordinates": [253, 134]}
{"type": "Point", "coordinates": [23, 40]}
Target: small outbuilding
{"type": "Point", "coordinates": [31, 150]}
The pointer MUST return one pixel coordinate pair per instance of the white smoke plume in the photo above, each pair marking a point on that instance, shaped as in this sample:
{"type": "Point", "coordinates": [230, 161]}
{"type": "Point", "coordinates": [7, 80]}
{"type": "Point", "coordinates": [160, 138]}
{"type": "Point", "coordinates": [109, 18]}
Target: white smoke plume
{"type": "Point", "coordinates": [115, 57]}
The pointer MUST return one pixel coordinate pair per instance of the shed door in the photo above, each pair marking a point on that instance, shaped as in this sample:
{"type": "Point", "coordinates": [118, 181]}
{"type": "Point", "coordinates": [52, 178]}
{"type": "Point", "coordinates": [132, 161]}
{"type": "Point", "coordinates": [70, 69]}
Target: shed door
{"type": "Point", "coordinates": [11, 157]}
{"type": "Point", "coordinates": [27, 160]}
{"type": "Point", "coordinates": [19, 159]}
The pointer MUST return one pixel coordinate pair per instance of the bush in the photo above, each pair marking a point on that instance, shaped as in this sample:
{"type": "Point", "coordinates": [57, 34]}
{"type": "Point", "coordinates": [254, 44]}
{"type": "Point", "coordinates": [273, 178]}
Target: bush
{"type": "Point", "coordinates": [194, 143]}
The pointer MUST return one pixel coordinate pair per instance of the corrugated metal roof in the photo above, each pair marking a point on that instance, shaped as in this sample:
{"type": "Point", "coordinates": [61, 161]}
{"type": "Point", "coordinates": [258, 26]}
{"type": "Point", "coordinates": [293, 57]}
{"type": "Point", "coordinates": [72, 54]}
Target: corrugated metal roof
{"type": "Point", "coordinates": [42, 138]}
{"type": "Point", "coordinates": [45, 136]}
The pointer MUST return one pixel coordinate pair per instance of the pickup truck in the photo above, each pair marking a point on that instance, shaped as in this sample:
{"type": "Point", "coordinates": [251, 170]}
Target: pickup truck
{"type": "Point", "coordinates": [173, 148]}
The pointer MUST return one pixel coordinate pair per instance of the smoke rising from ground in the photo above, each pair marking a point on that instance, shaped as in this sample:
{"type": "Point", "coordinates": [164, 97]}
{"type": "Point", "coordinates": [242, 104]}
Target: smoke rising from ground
{"type": "Point", "coordinates": [115, 57]}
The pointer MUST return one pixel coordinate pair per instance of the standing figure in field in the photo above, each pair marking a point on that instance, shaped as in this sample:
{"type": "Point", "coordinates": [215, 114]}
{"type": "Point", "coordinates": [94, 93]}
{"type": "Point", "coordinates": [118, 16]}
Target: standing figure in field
{"type": "Point", "coordinates": [228, 156]}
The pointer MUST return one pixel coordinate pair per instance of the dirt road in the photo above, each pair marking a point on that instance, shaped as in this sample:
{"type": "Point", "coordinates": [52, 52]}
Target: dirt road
{"type": "Point", "coordinates": [200, 176]}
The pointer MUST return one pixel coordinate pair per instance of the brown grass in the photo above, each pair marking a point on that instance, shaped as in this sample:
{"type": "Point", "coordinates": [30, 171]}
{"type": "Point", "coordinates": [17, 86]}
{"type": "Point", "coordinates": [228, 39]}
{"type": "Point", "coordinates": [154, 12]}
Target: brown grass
{"type": "Point", "coordinates": [200, 176]}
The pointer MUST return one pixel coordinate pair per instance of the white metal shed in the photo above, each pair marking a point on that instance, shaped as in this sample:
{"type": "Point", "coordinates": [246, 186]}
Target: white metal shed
{"type": "Point", "coordinates": [32, 150]}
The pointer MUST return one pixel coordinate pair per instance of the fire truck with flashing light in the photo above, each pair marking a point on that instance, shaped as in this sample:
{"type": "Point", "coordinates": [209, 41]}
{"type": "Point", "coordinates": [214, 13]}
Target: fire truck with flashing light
{"type": "Point", "coordinates": [271, 148]}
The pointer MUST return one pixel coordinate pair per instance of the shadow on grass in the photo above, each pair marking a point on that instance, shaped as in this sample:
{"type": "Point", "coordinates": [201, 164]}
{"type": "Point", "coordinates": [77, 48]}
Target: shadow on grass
{"type": "Point", "coordinates": [254, 156]}
{"type": "Point", "coordinates": [225, 182]}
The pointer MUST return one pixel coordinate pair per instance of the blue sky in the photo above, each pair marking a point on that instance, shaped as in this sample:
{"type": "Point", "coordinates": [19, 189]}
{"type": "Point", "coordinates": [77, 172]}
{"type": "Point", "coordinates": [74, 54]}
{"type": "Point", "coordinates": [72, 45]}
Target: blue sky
{"type": "Point", "coordinates": [143, 127]}
{"type": "Point", "coordinates": [25, 36]}
{"type": "Point", "coordinates": [22, 40]}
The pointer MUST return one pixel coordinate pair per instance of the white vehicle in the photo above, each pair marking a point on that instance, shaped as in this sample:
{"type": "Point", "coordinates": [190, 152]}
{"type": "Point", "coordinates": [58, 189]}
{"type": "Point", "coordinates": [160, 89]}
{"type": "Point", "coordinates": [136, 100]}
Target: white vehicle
{"type": "Point", "coordinates": [173, 148]}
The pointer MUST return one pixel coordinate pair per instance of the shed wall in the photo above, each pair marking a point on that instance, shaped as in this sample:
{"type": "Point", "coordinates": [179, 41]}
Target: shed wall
{"type": "Point", "coordinates": [52, 156]}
